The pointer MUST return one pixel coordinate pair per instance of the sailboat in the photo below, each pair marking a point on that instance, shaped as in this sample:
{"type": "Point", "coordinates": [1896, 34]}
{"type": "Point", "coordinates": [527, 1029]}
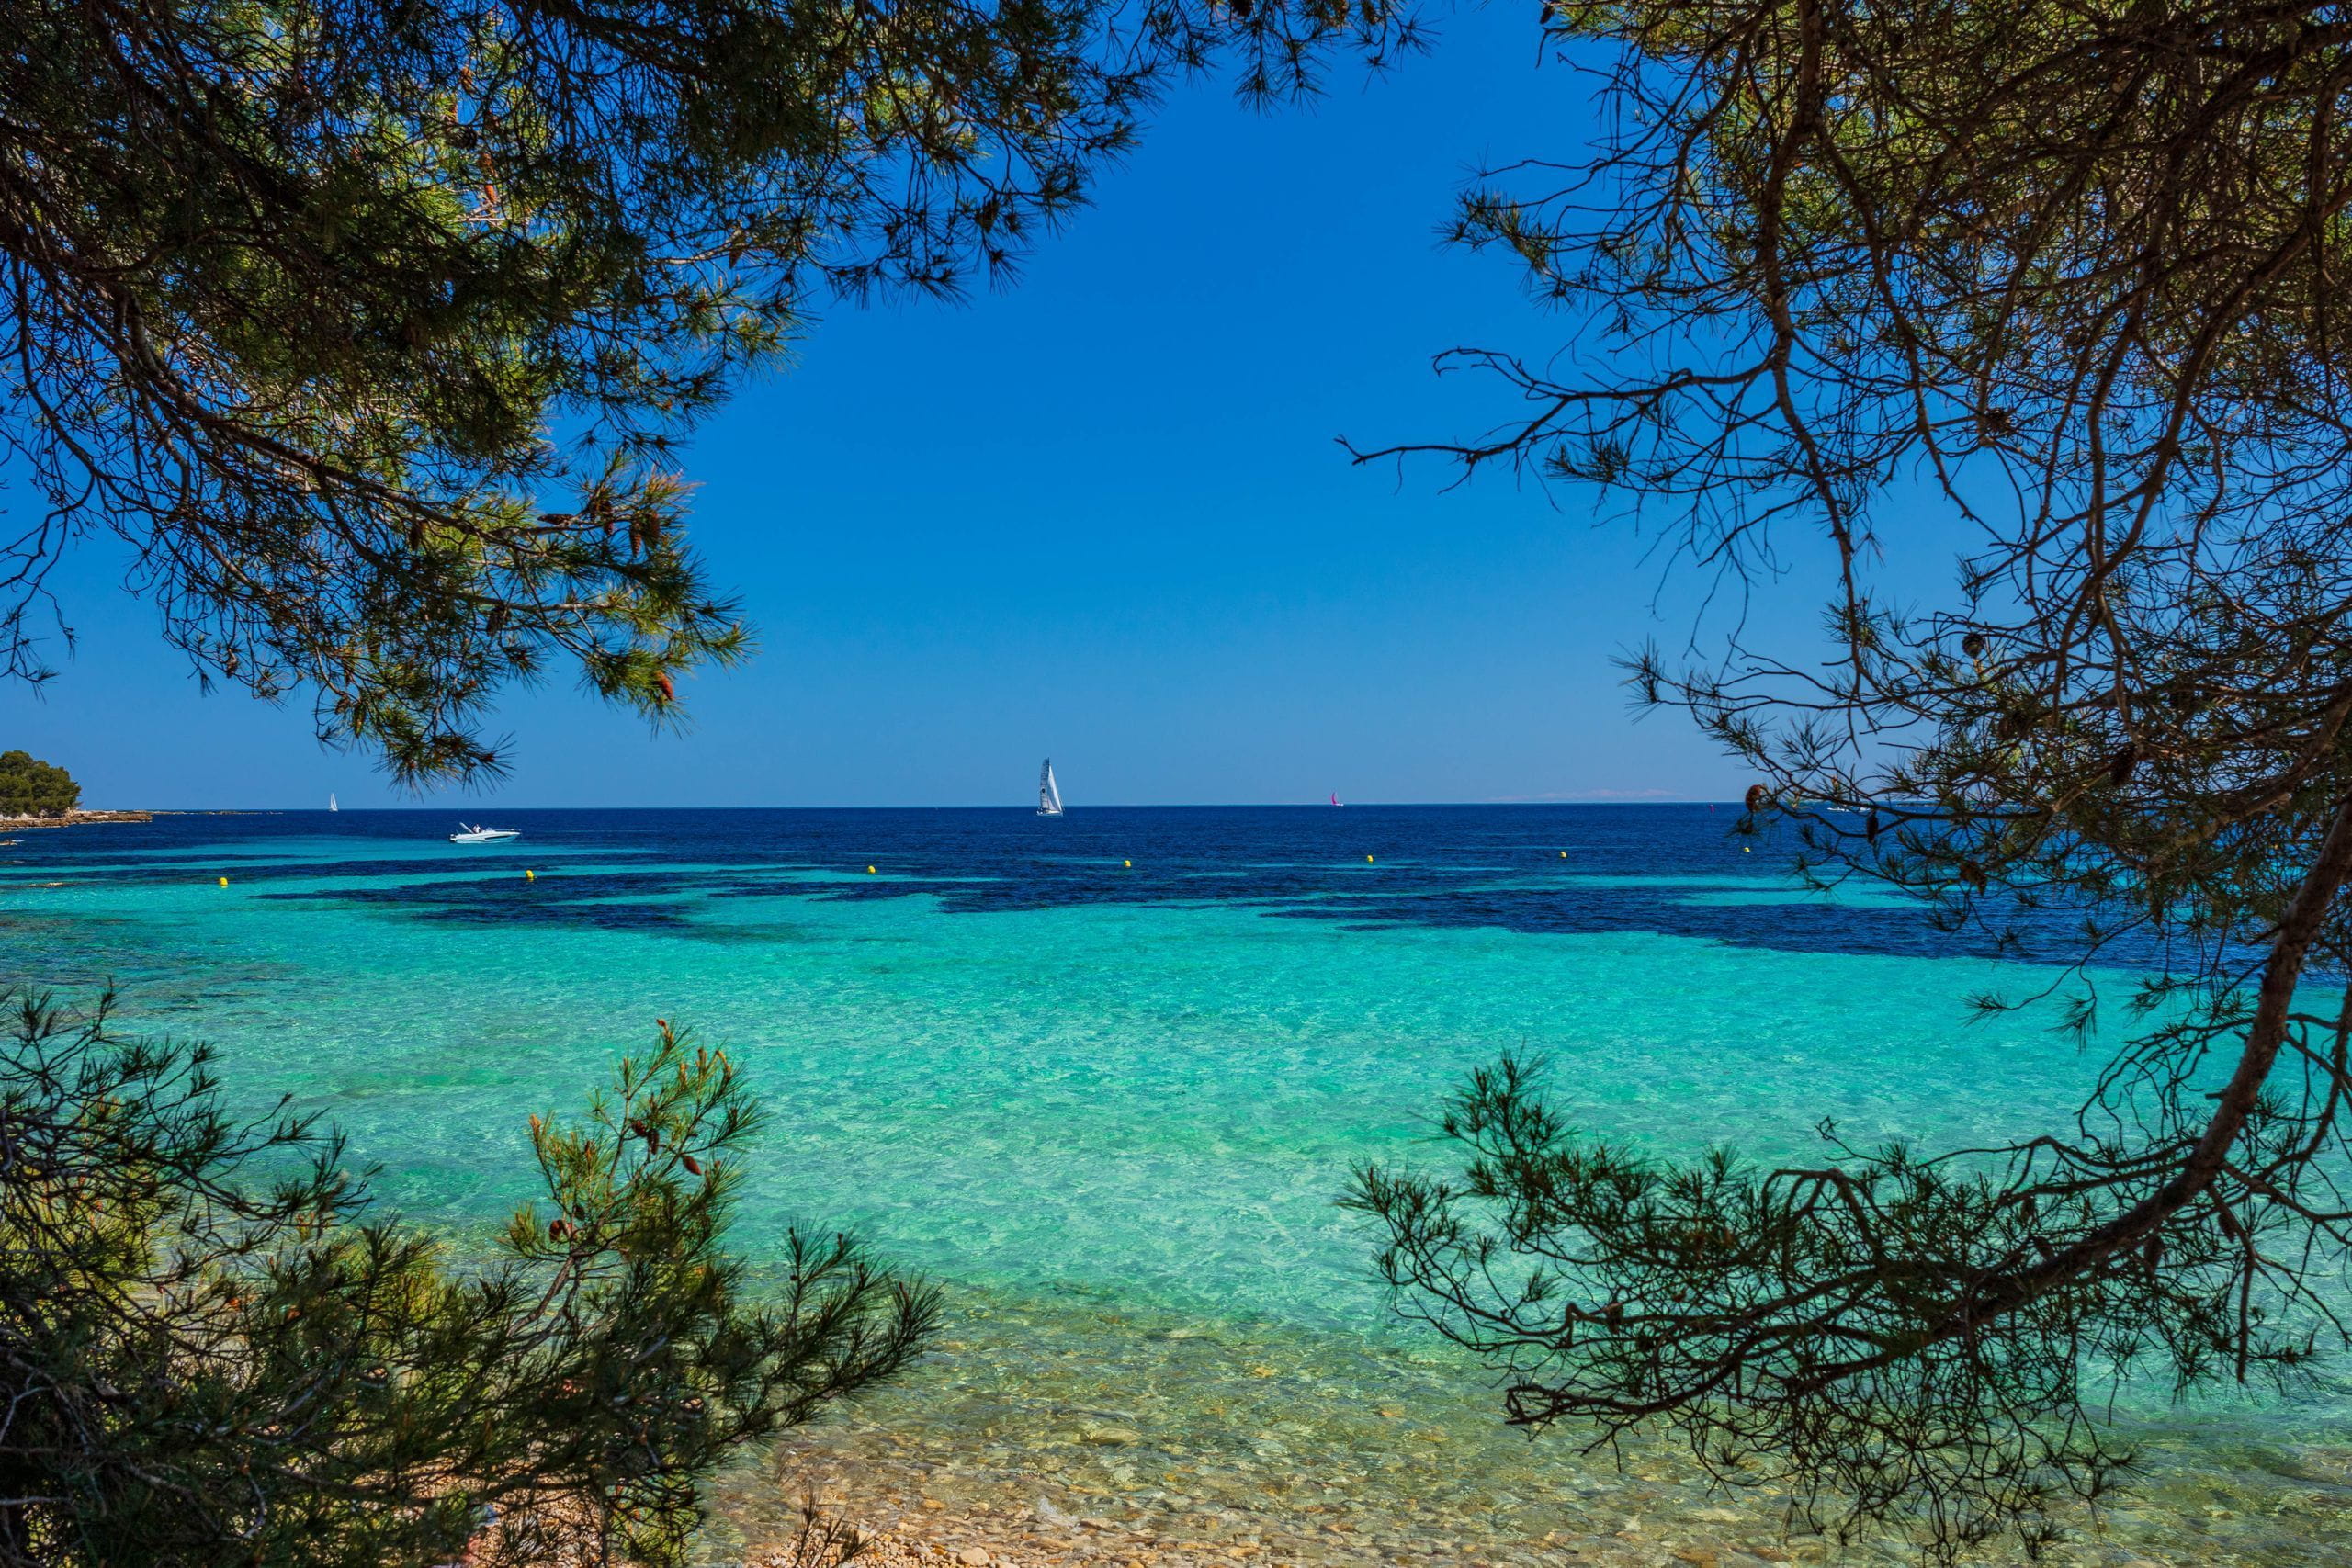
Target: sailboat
{"type": "Point", "coordinates": [1049, 796]}
{"type": "Point", "coordinates": [1335, 797]}
{"type": "Point", "coordinates": [330, 805]}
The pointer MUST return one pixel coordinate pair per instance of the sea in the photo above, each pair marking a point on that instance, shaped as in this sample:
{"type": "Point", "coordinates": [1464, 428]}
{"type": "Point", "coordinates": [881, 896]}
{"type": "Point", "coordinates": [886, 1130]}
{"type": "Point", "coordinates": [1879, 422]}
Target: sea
{"type": "Point", "coordinates": [1104, 1079]}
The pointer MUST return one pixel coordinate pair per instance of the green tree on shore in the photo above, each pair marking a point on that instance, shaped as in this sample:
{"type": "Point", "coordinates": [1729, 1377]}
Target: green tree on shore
{"type": "Point", "coordinates": [371, 328]}
{"type": "Point", "coordinates": [30, 787]}
{"type": "Point", "coordinates": [2068, 276]}
{"type": "Point", "coordinates": [212, 1353]}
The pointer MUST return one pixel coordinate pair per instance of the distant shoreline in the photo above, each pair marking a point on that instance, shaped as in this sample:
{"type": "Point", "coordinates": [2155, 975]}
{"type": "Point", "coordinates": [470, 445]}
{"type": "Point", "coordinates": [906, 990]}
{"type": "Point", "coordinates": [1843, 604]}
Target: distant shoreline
{"type": "Point", "coordinates": [80, 818]}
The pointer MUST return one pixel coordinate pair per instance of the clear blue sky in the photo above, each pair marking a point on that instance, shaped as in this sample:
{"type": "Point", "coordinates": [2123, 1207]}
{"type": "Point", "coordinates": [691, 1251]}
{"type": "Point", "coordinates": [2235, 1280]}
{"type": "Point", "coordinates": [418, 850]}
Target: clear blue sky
{"type": "Point", "coordinates": [1100, 516]}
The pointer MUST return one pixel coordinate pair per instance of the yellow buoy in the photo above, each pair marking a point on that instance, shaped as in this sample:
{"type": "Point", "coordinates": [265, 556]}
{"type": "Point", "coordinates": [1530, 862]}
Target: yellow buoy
{"type": "Point", "coordinates": [1563, 855]}
{"type": "Point", "coordinates": [869, 871]}
{"type": "Point", "coordinates": [1367, 860]}
{"type": "Point", "coordinates": [224, 881]}
{"type": "Point", "coordinates": [530, 876]}
{"type": "Point", "coordinates": [1746, 850]}
{"type": "Point", "coordinates": [1128, 863]}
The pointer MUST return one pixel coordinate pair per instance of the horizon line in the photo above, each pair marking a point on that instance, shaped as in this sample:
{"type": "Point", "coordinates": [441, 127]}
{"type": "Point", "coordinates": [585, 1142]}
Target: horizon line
{"type": "Point", "coordinates": [1595, 799]}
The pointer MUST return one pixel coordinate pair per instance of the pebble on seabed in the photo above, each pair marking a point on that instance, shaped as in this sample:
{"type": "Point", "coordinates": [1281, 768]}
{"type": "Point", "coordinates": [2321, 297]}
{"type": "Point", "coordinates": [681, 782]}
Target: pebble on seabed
{"type": "Point", "coordinates": [892, 1552]}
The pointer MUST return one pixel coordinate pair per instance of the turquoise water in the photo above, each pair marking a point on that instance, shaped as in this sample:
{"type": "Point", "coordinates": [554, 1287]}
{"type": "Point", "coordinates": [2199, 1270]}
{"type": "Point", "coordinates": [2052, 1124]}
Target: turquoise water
{"type": "Point", "coordinates": [1110, 1107]}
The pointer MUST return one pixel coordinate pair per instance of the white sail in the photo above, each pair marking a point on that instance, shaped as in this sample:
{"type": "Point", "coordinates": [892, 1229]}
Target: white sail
{"type": "Point", "coordinates": [330, 805]}
{"type": "Point", "coordinates": [1049, 795]}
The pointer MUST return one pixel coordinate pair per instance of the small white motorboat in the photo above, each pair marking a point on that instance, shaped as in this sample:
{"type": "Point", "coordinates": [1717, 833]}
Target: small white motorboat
{"type": "Point", "coordinates": [484, 835]}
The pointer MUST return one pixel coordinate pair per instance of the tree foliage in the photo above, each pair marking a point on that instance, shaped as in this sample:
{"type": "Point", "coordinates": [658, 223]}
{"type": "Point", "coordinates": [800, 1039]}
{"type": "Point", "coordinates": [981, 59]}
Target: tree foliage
{"type": "Point", "coordinates": [371, 326]}
{"type": "Point", "coordinates": [212, 1350]}
{"type": "Point", "coordinates": [30, 787]}
{"type": "Point", "coordinates": [2063, 278]}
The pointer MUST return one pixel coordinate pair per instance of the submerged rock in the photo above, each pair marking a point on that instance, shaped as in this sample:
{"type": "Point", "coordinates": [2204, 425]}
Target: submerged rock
{"type": "Point", "coordinates": [1109, 1435]}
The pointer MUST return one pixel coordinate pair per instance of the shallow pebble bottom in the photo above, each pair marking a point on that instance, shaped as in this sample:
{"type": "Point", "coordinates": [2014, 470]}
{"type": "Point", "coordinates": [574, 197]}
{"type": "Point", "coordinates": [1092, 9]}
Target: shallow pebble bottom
{"type": "Point", "coordinates": [1068, 1432]}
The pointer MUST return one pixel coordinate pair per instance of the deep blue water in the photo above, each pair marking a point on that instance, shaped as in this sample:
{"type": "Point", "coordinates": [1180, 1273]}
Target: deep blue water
{"type": "Point", "coordinates": [1542, 870]}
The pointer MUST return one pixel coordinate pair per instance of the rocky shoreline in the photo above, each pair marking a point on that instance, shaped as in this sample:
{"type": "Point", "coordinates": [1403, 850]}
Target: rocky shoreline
{"type": "Point", "coordinates": [74, 818]}
{"type": "Point", "coordinates": [1041, 1541]}
{"type": "Point", "coordinates": [78, 818]}
{"type": "Point", "coordinates": [1044, 1538]}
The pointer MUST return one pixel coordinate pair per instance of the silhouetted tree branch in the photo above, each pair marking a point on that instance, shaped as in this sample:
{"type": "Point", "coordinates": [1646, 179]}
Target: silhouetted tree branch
{"type": "Point", "coordinates": [371, 326]}
{"type": "Point", "coordinates": [2067, 277]}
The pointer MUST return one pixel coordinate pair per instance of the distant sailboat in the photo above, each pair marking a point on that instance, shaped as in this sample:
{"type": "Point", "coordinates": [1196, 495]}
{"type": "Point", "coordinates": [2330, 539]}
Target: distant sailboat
{"type": "Point", "coordinates": [1049, 796]}
{"type": "Point", "coordinates": [1335, 797]}
{"type": "Point", "coordinates": [330, 805]}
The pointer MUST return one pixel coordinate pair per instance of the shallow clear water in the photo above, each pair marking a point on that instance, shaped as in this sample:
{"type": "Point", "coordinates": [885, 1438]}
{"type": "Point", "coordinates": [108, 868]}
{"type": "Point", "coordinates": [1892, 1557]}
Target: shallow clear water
{"type": "Point", "coordinates": [1107, 1102]}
